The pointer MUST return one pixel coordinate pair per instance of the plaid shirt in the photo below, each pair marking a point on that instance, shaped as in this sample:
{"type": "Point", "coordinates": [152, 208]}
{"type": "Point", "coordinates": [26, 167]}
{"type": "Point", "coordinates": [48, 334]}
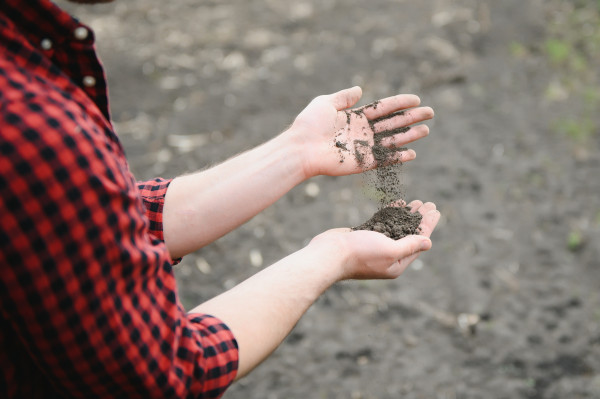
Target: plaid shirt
{"type": "Point", "coordinates": [88, 301]}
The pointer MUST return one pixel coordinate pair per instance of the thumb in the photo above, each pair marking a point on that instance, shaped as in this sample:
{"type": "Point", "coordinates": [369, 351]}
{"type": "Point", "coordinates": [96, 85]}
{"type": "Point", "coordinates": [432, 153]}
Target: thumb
{"type": "Point", "coordinates": [411, 245]}
{"type": "Point", "coordinates": [346, 98]}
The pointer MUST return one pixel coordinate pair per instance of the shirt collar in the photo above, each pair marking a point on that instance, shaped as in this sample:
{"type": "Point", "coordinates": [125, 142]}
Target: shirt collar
{"type": "Point", "coordinates": [65, 40]}
{"type": "Point", "coordinates": [41, 19]}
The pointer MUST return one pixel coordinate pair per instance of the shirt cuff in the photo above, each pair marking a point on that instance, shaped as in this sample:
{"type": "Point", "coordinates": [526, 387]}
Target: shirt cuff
{"type": "Point", "coordinates": [153, 194]}
{"type": "Point", "coordinates": [220, 353]}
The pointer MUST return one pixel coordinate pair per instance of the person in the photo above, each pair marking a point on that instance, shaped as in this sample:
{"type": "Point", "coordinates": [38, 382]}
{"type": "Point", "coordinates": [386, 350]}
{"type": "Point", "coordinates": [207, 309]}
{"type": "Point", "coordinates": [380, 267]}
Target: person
{"type": "Point", "coordinates": [88, 300]}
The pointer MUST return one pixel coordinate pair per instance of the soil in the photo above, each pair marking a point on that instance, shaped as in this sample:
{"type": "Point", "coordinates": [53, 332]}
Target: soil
{"type": "Point", "coordinates": [393, 222]}
{"type": "Point", "coordinates": [387, 181]}
{"type": "Point", "coordinates": [506, 303]}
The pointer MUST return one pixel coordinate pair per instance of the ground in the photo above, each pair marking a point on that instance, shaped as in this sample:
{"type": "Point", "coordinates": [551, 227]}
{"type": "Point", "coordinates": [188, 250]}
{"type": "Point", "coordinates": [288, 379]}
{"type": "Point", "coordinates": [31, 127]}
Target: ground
{"type": "Point", "coordinates": [506, 304]}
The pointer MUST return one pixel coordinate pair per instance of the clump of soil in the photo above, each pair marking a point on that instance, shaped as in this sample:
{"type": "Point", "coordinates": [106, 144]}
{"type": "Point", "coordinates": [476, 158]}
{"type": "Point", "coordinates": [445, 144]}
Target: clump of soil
{"type": "Point", "coordinates": [394, 222]}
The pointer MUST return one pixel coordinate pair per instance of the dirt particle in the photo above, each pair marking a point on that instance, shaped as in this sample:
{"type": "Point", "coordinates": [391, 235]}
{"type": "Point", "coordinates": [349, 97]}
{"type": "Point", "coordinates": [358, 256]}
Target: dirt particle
{"type": "Point", "coordinates": [373, 105]}
{"type": "Point", "coordinates": [360, 146]}
{"type": "Point", "coordinates": [341, 145]}
{"type": "Point", "coordinates": [385, 118]}
{"type": "Point", "coordinates": [359, 113]}
{"type": "Point", "coordinates": [388, 133]}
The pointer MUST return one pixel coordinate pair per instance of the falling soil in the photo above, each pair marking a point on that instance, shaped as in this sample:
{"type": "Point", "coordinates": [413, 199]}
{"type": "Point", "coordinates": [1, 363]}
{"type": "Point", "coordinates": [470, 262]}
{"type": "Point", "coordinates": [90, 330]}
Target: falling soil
{"type": "Point", "coordinates": [394, 222]}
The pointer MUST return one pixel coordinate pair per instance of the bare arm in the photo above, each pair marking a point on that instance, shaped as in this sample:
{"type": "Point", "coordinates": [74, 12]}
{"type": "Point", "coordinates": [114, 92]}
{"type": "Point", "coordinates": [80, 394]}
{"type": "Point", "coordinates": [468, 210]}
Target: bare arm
{"type": "Point", "coordinates": [262, 310]}
{"type": "Point", "coordinates": [202, 207]}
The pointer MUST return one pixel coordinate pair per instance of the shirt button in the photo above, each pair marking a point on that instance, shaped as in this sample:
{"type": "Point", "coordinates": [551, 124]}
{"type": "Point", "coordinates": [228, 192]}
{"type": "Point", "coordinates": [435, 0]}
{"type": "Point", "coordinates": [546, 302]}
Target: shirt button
{"type": "Point", "coordinates": [81, 33]}
{"type": "Point", "coordinates": [46, 44]}
{"type": "Point", "coordinates": [89, 81]}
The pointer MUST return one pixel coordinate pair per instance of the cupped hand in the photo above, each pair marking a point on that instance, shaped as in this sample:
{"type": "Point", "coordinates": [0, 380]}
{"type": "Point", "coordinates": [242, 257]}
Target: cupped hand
{"type": "Point", "coordinates": [371, 255]}
{"type": "Point", "coordinates": [337, 140]}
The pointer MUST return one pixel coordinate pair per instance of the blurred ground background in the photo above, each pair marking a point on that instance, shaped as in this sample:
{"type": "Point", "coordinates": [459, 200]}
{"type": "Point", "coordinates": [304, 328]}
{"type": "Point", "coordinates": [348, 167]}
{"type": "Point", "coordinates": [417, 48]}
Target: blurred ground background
{"type": "Point", "coordinates": [512, 162]}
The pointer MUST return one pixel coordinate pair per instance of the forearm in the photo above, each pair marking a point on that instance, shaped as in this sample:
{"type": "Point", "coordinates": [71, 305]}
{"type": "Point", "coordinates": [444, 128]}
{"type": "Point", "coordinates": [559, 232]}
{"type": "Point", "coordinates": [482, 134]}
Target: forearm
{"type": "Point", "coordinates": [201, 207]}
{"type": "Point", "coordinates": [262, 310]}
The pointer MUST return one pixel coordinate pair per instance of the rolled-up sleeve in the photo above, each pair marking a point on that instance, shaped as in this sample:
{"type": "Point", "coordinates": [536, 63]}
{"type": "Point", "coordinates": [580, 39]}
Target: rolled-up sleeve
{"type": "Point", "coordinates": [153, 196]}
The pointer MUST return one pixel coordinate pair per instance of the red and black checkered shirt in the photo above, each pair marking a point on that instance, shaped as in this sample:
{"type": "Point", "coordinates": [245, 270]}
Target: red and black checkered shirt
{"type": "Point", "coordinates": [88, 300]}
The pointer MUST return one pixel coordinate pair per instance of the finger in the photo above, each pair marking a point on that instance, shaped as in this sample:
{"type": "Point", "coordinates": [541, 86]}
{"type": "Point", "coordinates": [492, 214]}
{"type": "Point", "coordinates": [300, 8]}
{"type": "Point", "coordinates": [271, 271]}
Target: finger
{"type": "Point", "coordinates": [426, 207]}
{"type": "Point", "coordinates": [402, 138]}
{"type": "Point", "coordinates": [412, 245]}
{"type": "Point", "coordinates": [399, 203]}
{"type": "Point", "coordinates": [414, 205]}
{"type": "Point", "coordinates": [400, 156]}
{"type": "Point", "coordinates": [400, 119]}
{"type": "Point", "coordinates": [339, 230]}
{"type": "Point", "coordinates": [396, 269]}
{"type": "Point", "coordinates": [407, 261]}
{"type": "Point", "coordinates": [429, 221]}
{"type": "Point", "coordinates": [389, 105]}
{"type": "Point", "coordinates": [346, 98]}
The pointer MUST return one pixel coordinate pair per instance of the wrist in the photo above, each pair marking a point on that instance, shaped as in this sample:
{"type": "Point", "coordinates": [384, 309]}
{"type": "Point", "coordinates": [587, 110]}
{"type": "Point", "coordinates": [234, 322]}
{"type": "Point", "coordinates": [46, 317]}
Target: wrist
{"type": "Point", "coordinates": [295, 139]}
{"type": "Point", "coordinates": [332, 256]}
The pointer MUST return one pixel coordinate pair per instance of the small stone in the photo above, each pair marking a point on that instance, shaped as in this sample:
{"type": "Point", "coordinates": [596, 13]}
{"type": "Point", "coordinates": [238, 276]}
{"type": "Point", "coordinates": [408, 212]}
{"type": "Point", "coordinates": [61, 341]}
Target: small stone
{"type": "Point", "coordinates": [259, 39]}
{"type": "Point", "coordinates": [164, 155]}
{"type": "Point", "coordinates": [467, 322]}
{"type": "Point", "coordinates": [312, 190]}
{"type": "Point", "coordinates": [187, 142]}
{"type": "Point", "coordinates": [234, 61]}
{"type": "Point", "coordinates": [203, 266]}
{"type": "Point", "coordinates": [256, 258]}
{"type": "Point", "coordinates": [301, 10]}
{"type": "Point", "coordinates": [362, 360]}
{"type": "Point", "coordinates": [170, 83]}
{"type": "Point", "coordinates": [417, 264]}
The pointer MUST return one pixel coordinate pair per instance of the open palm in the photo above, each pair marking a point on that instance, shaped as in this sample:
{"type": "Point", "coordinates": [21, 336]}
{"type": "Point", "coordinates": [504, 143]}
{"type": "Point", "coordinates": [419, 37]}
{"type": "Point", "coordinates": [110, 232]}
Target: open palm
{"type": "Point", "coordinates": [372, 255]}
{"type": "Point", "coordinates": [337, 140]}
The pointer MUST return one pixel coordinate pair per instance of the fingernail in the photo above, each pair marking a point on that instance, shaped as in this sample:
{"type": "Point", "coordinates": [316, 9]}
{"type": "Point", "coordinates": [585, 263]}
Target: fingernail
{"type": "Point", "coordinates": [425, 245]}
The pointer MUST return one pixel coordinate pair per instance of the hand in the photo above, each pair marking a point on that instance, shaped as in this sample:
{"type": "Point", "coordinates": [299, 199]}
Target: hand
{"type": "Point", "coordinates": [371, 255]}
{"type": "Point", "coordinates": [330, 135]}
